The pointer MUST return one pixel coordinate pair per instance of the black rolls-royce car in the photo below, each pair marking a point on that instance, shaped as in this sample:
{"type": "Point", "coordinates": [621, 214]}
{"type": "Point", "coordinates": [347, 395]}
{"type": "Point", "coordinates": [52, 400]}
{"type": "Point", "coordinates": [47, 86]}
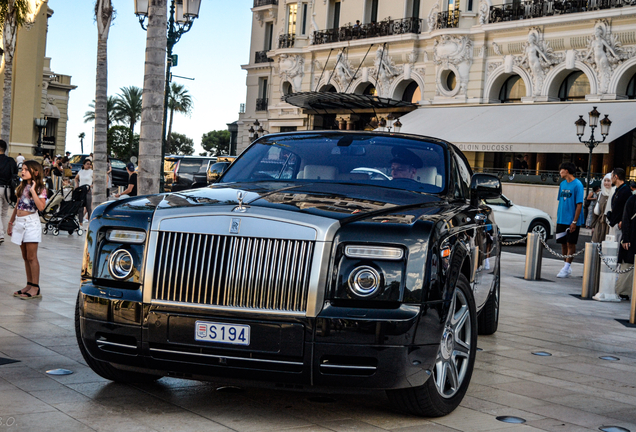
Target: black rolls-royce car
{"type": "Point", "coordinates": [302, 268]}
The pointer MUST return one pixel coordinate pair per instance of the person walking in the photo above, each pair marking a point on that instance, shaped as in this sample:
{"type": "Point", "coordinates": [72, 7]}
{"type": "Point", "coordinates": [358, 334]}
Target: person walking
{"type": "Point", "coordinates": [19, 159]}
{"type": "Point", "coordinates": [57, 173]}
{"type": "Point", "coordinates": [591, 199]}
{"type": "Point", "coordinates": [8, 171]}
{"type": "Point", "coordinates": [24, 226]}
{"type": "Point", "coordinates": [569, 214]}
{"type": "Point", "coordinates": [599, 221]}
{"type": "Point", "coordinates": [84, 177]}
{"type": "Point", "coordinates": [619, 198]}
{"type": "Point", "coordinates": [627, 249]}
{"type": "Point", "coordinates": [109, 176]}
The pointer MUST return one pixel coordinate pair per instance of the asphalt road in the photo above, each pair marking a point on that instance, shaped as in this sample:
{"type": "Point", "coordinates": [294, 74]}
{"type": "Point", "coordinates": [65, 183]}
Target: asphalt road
{"type": "Point", "coordinates": [521, 248]}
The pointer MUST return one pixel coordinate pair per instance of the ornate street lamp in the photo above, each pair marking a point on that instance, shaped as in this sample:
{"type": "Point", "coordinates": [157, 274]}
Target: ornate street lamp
{"type": "Point", "coordinates": [592, 143]}
{"type": "Point", "coordinates": [181, 17]}
{"type": "Point", "coordinates": [397, 126]}
{"type": "Point", "coordinates": [41, 124]}
{"type": "Point", "coordinates": [256, 130]}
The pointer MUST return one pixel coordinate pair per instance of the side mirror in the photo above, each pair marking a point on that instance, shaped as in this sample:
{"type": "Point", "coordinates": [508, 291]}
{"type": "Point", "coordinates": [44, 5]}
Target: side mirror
{"type": "Point", "coordinates": [484, 186]}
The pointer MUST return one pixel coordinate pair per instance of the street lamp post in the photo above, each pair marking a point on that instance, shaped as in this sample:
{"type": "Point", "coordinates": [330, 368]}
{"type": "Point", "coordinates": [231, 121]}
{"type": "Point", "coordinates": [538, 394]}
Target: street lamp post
{"type": "Point", "coordinates": [41, 124]}
{"type": "Point", "coordinates": [181, 17]}
{"type": "Point", "coordinates": [255, 130]}
{"type": "Point", "coordinates": [592, 142]}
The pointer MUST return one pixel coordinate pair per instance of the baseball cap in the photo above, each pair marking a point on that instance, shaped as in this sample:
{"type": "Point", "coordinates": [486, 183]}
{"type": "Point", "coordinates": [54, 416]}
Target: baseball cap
{"type": "Point", "coordinates": [130, 166]}
{"type": "Point", "coordinates": [58, 155]}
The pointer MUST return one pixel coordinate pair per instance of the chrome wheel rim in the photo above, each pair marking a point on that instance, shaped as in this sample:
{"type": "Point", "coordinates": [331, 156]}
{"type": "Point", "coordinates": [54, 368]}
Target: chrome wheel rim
{"type": "Point", "coordinates": [540, 229]}
{"type": "Point", "coordinates": [455, 350]}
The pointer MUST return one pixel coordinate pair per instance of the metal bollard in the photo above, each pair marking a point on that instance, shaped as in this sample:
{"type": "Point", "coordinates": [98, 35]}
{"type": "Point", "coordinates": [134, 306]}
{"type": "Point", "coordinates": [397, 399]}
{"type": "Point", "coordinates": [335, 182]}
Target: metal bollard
{"type": "Point", "coordinates": [533, 257]}
{"type": "Point", "coordinates": [591, 271]}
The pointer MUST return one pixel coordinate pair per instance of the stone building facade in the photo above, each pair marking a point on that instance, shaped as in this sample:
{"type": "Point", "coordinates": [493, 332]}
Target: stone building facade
{"type": "Point", "coordinates": [38, 92]}
{"type": "Point", "coordinates": [532, 66]}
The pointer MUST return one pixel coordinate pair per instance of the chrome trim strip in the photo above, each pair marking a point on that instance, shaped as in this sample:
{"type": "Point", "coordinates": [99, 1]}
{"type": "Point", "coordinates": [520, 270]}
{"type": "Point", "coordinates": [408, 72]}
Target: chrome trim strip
{"type": "Point", "coordinates": [318, 279]}
{"type": "Point", "coordinates": [116, 344]}
{"type": "Point", "coordinates": [173, 304]}
{"type": "Point", "coordinates": [332, 366]}
{"type": "Point", "coordinates": [149, 267]}
{"type": "Point", "coordinates": [228, 357]}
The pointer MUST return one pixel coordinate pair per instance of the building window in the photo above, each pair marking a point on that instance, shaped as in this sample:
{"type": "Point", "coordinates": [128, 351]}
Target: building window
{"type": "Point", "coordinates": [288, 128]}
{"type": "Point", "coordinates": [416, 9]}
{"type": "Point", "coordinates": [371, 11]}
{"type": "Point", "coordinates": [261, 101]}
{"type": "Point", "coordinates": [370, 90]}
{"type": "Point", "coordinates": [287, 88]}
{"type": "Point", "coordinates": [269, 35]}
{"type": "Point", "coordinates": [412, 93]}
{"type": "Point", "coordinates": [336, 14]}
{"type": "Point", "coordinates": [304, 22]}
{"type": "Point", "coordinates": [631, 88]}
{"type": "Point", "coordinates": [292, 13]}
{"type": "Point", "coordinates": [328, 89]}
{"type": "Point", "coordinates": [574, 87]}
{"type": "Point", "coordinates": [512, 90]}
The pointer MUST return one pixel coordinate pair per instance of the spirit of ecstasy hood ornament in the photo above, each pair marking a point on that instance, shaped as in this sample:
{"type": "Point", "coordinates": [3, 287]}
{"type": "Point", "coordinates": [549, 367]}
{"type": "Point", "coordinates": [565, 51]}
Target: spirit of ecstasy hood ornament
{"type": "Point", "coordinates": [240, 196]}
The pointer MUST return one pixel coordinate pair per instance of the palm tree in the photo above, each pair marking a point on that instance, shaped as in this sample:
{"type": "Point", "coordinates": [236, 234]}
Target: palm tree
{"type": "Point", "coordinates": [13, 13]}
{"type": "Point", "coordinates": [128, 106]}
{"type": "Point", "coordinates": [81, 136]}
{"type": "Point", "coordinates": [103, 16]}
{"type": "Point", "coordinates": [150, 142]}
{"type": "Point", "coordinates": [179, 100]}
{"type": "Point", "coordinates": [89, 116]}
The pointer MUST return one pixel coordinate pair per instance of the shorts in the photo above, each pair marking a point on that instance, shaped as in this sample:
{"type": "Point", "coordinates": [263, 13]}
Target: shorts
{"type": "Point", "coordinates": [570, 237]}
{"type": "Point", "coordinates": [27, 229]}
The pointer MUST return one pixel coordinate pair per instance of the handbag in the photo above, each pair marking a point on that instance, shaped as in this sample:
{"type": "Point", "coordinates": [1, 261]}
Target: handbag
{"type": "Point", "coordinates": [68, 172]}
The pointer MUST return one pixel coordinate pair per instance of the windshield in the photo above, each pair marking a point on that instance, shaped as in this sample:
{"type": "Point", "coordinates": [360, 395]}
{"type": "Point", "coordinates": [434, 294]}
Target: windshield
{"type": "Point", "coordinates": [77, 159]}
{"type": "Point", "coordinates": [382, 160]}
{"type": "Point", "coordinates": [191, 166]}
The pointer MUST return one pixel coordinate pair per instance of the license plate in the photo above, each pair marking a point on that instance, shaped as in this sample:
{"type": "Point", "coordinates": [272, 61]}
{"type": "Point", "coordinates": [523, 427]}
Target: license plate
{"type": "Point", "coordinates": [223, 333]}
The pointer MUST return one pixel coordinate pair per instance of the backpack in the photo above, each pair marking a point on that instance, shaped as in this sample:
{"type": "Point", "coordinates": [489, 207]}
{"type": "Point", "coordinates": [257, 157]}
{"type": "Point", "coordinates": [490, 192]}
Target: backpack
{"type": "Point", "coordinates": [10, 195]}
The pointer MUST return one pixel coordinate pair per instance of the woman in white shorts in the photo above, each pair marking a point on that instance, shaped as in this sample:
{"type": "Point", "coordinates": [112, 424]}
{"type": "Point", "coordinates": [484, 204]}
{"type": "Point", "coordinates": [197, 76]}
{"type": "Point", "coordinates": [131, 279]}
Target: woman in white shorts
{"type": "Point", "coordinates": [24, 226]}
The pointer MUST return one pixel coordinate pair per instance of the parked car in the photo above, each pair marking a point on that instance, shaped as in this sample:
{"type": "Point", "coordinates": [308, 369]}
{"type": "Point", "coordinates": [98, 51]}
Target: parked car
{"type": "Point", "coordinates": [217, 169]}
{"type": "Point", "coordinates": [119, 173]}
{"type": "Point", "coordinates": [515, 221]}
{"type": "Point", "coordinates": [76, 162]}
{"type": "Point", "coordinates": [292, 271]}
{"type": "Point", "coordinates": [185, 172]}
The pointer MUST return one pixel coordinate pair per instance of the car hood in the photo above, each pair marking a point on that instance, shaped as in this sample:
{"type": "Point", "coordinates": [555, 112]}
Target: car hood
{"type": "Point", "coordinates": [343, 202]}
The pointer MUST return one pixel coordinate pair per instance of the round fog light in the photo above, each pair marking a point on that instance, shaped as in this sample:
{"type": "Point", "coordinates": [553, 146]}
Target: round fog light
{"type": "Point", "coordinates": [364, 281]}
{"type": "Point", "coordinates": [120, 264]}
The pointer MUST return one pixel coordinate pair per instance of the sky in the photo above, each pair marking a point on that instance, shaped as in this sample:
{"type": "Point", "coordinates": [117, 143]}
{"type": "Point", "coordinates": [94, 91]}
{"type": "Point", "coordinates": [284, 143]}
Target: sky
{"type": "Point", "coordinates": [212, 53]}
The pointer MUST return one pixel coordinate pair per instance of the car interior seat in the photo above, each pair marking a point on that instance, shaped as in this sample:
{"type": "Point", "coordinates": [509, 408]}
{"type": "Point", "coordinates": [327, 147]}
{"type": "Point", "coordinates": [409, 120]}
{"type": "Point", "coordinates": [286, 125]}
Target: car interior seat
{"type": "Point", "coordinates": [319, 172]}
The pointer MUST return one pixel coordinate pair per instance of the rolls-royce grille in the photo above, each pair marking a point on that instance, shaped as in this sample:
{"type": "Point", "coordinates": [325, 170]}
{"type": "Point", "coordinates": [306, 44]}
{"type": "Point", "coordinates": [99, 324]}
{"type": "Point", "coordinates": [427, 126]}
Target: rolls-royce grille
{"type": "Point", "coordinates": [258, 273]}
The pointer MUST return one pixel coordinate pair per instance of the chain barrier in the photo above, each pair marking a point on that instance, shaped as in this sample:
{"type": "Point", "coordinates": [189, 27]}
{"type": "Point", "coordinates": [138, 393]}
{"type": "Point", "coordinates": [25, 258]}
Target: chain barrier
{"type": "Point", "coordinates": [603, 259]}
{"type": "Point", "coordinates": [558, 254]}
{"type": "Point", "coordinates": [514, 242]}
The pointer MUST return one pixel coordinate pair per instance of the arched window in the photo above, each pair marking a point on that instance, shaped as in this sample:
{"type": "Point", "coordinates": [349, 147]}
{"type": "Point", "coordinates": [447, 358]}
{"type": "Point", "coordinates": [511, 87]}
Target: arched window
{"type": "Point", "coordinates": [574, 87]}
{"type": "Point", "coordinates": [370, 90]}
{"type": "Point", "coordinates": [328, 89]}
{"type": "Point", "coordinates": [287, 88]}
{"type": "Point", "coordinates": [412, 93]}
{"type": "Point", "coordinates": [512, 90]}
{"type": "Point", "coordinates": [631, 88]}
{"type": "Point", "coordinates": [451, 81]}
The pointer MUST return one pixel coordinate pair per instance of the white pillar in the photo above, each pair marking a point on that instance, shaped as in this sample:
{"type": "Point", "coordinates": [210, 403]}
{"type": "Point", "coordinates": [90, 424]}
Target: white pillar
{"type": "Point", "coordinates": [607, 283]}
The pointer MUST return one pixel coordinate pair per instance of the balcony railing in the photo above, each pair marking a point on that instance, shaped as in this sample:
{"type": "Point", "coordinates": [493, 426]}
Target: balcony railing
{"type": "Point", "coordinates": [286, 40]}
{"type": "Point", "coordinates": [371, 30]}
{"type": "Point", "coordinates": [261, 104]}
{"type": "Point", "coordinates": [448, 19]}
{"type": "Point", "coordinates": [518, 10]}
{"type": "Point", "coordinates": [258, 3]}
{"type": "Point", "coordinates": [261, 57]}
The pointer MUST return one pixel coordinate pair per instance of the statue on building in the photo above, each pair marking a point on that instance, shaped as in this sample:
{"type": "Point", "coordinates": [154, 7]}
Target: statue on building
{"type": "Point", "coordinates": [537, 59]}
{"type": "Point", "coordinates": [291, 68]}
{"type": "Point", "coordinates": [457, 51]}
{"type": "Point", "coordinates": [484, 11]}
{"type": "Point", "coordinates": [432, 17]}
{"type": "Point", "coordinates": [344, 73]}
{"type": "Point", "coordinates": [385, 71]}
{"type": "Point", "coordinates": [605, 53]}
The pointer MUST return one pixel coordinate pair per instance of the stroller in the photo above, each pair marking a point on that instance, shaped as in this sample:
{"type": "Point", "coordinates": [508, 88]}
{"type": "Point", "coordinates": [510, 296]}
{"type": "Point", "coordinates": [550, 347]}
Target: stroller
{"type": "Point", "coordinates": [66, 218]}
{"type": "Point", "coordinates": [54, 201]}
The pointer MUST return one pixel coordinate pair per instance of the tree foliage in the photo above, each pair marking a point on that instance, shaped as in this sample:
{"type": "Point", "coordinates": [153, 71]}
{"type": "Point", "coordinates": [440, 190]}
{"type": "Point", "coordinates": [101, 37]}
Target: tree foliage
{"type": "Point", "coordinates": [89, 116]}
{"type": "Point", "coordinates": [119, 143]}
{"type": "Point", "coordinates": [127, 108]}
{"type": "Point", "coordinates": [216, 142]}
{"type": "Point", "coordinates": [179, 144]}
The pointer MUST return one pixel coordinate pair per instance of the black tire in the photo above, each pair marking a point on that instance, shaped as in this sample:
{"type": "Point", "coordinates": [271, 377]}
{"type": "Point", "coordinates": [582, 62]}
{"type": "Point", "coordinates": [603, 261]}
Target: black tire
{"type": "Point", "coordinates": [102, 368]}
{"type": "Point", "coordinates": [427, 400]}
{"type": "Point", "coordinates": [540, 227]}
{"type": "Point", "coordinates": [488, 319]}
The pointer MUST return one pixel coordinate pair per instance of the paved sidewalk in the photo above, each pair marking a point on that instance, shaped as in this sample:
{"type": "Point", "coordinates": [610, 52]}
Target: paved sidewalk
{"type": "Point", "coordinates": [573, 390]}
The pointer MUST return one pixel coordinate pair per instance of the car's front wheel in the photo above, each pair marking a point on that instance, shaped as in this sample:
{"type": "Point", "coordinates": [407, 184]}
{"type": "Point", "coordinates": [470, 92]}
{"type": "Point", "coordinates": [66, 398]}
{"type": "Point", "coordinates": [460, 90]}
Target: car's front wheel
{"type": "Point", "coordinates": [453, 368]}
{"type": "Point", "coordinates": [541, 228]}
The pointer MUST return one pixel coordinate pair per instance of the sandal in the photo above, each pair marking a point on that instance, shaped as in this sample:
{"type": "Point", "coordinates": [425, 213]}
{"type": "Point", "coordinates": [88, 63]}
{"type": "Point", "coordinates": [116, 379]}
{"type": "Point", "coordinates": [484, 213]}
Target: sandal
{"type": "Point", "coordinates": [19, 292]}
{"type": "Point", "coordinates": [29, 296]}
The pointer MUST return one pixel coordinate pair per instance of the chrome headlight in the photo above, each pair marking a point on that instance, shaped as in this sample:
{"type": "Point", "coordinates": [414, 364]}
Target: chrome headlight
{"type": "Point", "coordinates": [120, 264]}
{"type": "Point", "coordinates": [126, 236]}
{"type": "Point", "coordinates": [364, 281]}
{"type": "Point", "coordinates": [374, 252]}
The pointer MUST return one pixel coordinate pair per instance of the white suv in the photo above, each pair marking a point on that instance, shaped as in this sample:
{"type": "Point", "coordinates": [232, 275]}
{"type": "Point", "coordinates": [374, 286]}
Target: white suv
{"type": "Point", "coordinates": [516, 221]}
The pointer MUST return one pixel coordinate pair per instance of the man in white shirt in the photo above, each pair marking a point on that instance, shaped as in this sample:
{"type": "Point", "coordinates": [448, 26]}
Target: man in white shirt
{"type": "Point", "coordinates": [20, 159]}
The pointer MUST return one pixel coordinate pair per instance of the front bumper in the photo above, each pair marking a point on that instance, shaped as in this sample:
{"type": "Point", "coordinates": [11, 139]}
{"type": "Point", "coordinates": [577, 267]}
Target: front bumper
{"type": "Point", "coordinates": [327, 351]}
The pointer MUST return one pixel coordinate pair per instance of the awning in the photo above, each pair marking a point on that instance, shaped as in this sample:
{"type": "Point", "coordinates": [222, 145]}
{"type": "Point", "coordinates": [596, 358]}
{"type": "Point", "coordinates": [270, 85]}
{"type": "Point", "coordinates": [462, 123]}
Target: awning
{"type": "Point", "coordinates": [325, 101]}
{"type": "Point", "coordinates": [519, 128]}
{"type": "Point", "coordinates": [51, 111]}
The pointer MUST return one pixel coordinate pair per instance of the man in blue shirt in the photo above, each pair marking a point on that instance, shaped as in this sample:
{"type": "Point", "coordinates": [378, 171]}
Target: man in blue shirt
{"type": "Point", "coordinates": [569, 215]}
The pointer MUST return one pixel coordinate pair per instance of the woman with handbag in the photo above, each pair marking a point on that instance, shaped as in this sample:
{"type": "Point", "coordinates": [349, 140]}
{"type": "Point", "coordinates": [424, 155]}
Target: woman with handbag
{"type": "Point", "coordinates": [84, 177]}
{"type": "Point", "coordinates": [66, 165]}
{"type": "Point", "coordinates": [599, 221]}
